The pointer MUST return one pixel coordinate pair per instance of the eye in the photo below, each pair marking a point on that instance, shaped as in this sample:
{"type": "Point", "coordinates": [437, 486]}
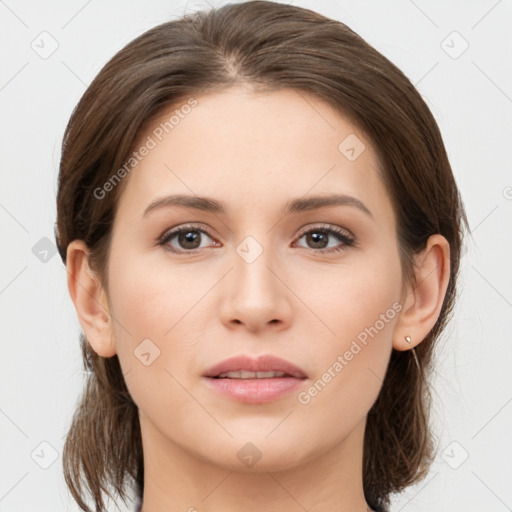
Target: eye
{"type": "Point", "coordinates": [318, 238]}
{"type": "Point", "coordinates": [188, 239]}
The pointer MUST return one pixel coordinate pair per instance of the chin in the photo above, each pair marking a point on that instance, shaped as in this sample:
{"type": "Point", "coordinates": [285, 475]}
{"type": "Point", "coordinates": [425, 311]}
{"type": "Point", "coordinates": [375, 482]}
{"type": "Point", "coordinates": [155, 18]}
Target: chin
{"type": "Point", "coordinates": [255, 454]}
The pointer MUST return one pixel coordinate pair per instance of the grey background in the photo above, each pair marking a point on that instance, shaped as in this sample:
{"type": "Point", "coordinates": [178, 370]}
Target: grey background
{"type": "Point", "coordinates": [469, 91]}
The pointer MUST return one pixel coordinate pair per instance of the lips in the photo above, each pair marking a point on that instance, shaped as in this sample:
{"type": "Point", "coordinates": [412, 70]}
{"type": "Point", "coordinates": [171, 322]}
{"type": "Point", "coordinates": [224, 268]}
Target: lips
{"type": "Point", "coordinates": [244, 374]}
{"type": "Point", "coordinates": [254, 381]}
{"type": "Point", "coordinates": [244, 367]}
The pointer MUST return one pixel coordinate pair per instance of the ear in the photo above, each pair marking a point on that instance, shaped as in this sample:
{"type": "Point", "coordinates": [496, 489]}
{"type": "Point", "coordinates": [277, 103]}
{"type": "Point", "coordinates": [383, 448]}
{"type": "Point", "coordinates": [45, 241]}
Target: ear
{"type": "Point", "coordinates": [423, 302]}
{"type": "Point", "coordinates": [90, 300]}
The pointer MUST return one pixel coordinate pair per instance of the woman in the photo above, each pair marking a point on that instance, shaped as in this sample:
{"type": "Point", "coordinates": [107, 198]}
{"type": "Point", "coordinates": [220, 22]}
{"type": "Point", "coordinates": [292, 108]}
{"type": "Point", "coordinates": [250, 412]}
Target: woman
{"type": "Point", "coordinates": [262, 234]}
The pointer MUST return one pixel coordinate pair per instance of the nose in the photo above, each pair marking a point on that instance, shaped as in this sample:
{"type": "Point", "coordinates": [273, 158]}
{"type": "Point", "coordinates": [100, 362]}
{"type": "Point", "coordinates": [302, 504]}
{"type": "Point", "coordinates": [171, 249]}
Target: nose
{"type": "Point", "coordinates": [256, 294]}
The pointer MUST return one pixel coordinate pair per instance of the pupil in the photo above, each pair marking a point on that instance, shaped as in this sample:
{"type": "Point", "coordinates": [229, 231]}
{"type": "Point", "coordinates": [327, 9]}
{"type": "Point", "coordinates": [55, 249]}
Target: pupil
{"type": "Point", "coordinates": [189, 237]}
{"type": "Point", "coordinates": [317, 238]}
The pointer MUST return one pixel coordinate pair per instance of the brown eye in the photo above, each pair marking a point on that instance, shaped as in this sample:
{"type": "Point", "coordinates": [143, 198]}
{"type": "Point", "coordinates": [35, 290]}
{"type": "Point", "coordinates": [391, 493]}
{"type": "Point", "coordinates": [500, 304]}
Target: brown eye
{"type": "Point", "coordinates": [184, 239]}
{"type": "Point", "coordinates": [319, 239]}
{"type": "Point", "coordinates": [189, 239]}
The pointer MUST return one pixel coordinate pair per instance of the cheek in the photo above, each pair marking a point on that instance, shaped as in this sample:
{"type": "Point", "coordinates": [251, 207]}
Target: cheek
{"type": "Point", "coordinates": [153, 306]}
{"type": "Point", "coordinates": [361, 310]}
{"type": "Point", "coordinates": [150, 298]}
{"type": "Point", "coordinates": [349, 299]}
{"type": "Point", "coordinates": [160, 312]}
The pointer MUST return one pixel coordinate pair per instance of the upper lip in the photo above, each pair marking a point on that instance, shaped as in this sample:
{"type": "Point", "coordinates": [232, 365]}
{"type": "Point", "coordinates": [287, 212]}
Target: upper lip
{"type": "Point", "coordinates": [265, 363]}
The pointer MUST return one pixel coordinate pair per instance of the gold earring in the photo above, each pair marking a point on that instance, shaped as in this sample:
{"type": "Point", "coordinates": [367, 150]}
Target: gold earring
{"type": "Point", "coordinates": [409, 340]}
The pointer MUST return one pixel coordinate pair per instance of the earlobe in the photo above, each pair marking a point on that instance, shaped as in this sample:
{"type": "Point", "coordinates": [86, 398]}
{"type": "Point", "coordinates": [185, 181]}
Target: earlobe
{"type": "Point", "coordinates": [423, 301]}
{"type": "Point", "coordinates": [89, 299]}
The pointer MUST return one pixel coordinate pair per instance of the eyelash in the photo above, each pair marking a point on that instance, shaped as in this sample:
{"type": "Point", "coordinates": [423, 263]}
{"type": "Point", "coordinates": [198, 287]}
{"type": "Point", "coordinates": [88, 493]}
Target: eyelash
{"type": "Point", "coordinates": [339, 233]}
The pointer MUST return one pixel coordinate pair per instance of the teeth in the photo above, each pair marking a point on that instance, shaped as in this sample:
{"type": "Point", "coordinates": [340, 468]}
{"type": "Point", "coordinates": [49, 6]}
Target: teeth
{"type": "Point", "coordinates": [250, 375]}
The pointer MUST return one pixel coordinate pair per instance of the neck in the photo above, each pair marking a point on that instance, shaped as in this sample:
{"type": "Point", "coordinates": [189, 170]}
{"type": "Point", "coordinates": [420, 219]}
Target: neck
{"type": "Point", "coordinates": [175, 479]}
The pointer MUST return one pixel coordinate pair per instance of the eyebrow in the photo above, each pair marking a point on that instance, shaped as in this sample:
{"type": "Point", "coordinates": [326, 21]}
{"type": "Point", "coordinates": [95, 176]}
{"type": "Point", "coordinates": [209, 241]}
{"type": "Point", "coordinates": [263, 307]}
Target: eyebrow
{"type": "Point", "coordinates": [208, 204]}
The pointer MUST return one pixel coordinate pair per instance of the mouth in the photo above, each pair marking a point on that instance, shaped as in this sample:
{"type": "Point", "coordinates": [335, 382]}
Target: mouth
{"type": "Point", "coordinates": [262, 367]}
{"type": "Point", "coordinates": [244, 374]}
{"type": "Point", "coordinates": [254, 381]}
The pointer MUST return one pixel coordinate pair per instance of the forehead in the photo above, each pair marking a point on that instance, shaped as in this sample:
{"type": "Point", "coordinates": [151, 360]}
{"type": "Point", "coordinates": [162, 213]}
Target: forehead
{"type": "Point", "coordinates": [252, 149]}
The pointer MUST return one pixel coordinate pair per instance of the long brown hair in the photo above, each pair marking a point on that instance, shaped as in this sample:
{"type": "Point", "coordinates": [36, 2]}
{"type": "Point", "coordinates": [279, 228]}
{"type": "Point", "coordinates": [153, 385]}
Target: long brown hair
{"type": "Point", "coordinates": [269, 46]}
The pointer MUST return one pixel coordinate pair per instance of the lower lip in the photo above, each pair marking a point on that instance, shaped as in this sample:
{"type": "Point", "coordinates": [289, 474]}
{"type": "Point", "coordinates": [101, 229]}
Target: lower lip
{"type": "Point", "coordinates": [255, 391]}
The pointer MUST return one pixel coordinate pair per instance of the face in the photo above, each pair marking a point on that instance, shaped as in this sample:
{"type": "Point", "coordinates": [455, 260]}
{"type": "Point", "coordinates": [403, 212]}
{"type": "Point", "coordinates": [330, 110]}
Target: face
{"type": "Point", "coordinates": [316, 285]}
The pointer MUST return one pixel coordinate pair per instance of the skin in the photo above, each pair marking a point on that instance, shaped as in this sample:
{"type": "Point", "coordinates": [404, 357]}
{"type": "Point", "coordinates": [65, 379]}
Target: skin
{"type": "Point", "coordinates": [254, 152]}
